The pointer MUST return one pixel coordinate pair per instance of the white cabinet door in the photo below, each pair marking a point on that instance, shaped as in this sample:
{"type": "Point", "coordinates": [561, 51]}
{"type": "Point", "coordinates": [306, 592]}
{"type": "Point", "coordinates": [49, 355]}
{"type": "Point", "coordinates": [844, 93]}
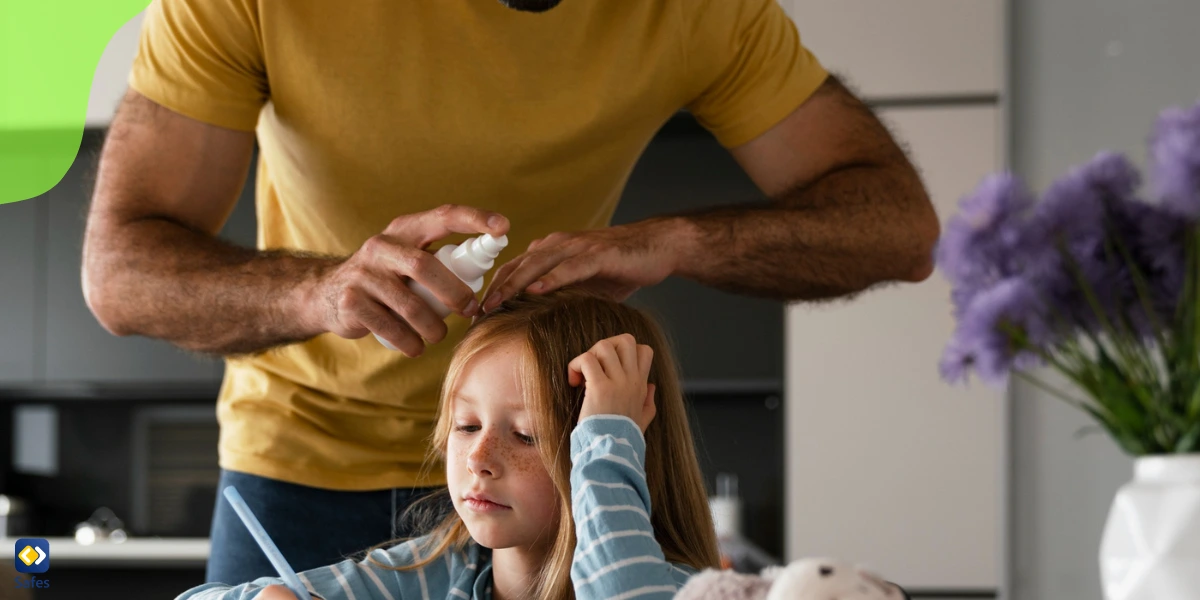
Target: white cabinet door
{"type": "Point", "coordinates": [112, 74]}
{"type": "Point", "coordinates": [909, 48]}
{"type": "Point", "coordinates": [887, 465]}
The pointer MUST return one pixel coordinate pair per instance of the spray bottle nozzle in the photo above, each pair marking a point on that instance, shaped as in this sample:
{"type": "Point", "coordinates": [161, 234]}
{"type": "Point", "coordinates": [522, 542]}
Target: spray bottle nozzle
{"type": "Point", "coordinates": [491, 245]}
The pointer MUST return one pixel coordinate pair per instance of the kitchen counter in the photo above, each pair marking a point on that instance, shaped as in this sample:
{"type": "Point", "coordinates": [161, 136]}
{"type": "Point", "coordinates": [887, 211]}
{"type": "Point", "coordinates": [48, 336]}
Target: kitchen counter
{"type": "Point", "coordinates": [147, 552]}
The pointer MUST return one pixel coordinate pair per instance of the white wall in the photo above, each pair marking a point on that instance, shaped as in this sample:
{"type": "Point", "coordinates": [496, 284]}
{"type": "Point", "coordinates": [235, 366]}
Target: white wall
{"type": "Point", "coordinates": [913, 48]}
{"type": "Point", "coordinates": [887, 465]}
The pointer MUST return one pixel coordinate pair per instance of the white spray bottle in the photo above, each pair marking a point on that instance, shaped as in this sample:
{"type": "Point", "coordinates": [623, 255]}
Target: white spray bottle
{"type": "Point", "coordinates": [469, 261]}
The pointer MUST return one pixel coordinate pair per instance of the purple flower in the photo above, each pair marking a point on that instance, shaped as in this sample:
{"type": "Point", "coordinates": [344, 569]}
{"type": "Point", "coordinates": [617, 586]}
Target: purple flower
{"type": "Point", "coordinates": [977, 246]}
{"type": "Point", "coordinates": [1072, 211]}
{"type": "Point", "coordinates": [1113, 174]}
{"type": "Point", "coordinates": [956, 361]}
{"type": "Point", "coordinates": [1175, 160]}
{"type": "Point", "coordinates": [982, 341]}
{"type": "Point", "coordinates": [1155, 237]}
{"type": "Point", "coordinates": [1070, 263]}
{"type": "Point", "coordinates": [1064, 240]}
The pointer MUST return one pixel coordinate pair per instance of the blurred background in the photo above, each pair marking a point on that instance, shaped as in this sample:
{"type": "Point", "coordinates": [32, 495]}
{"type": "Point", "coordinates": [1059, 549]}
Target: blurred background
{"type": "Point", "coordinates": [842, 438]}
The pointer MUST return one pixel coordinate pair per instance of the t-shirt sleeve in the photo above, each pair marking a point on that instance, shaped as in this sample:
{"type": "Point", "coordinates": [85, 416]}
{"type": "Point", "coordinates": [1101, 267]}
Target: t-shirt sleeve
{"type": "Point", "coordinates": [203, 59]}
{"type": "Point", "coordinates": [747, 67]}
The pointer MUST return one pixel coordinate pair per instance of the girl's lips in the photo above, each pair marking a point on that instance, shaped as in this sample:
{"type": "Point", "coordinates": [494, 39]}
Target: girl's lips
{"type": "Point", "coordinates": [484, 506]}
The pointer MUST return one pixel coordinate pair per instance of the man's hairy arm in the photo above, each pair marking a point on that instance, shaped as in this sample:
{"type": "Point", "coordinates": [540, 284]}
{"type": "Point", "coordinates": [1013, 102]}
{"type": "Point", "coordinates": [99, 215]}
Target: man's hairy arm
{"type": "Point", "coordinates": [152, 264]}
{"type": "Point", "coordinates": [847, 210]}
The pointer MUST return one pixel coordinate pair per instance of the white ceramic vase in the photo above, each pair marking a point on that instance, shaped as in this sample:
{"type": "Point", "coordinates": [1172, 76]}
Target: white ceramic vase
{"type": "Point", "coordinates": [1151, 545]}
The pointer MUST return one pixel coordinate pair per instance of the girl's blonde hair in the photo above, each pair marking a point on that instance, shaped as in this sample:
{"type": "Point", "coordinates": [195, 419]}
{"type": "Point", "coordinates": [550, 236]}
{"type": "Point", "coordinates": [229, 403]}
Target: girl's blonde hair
{"type": "Point", "coordinates": [555, 328]}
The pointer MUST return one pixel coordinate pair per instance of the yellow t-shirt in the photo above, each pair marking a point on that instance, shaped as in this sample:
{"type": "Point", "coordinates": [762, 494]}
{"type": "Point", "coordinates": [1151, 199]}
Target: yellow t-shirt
{"type": "Point", "coordinates": [371, 109]}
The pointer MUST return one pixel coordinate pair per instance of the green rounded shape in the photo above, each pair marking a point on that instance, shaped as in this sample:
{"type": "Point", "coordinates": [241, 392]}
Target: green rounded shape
{"type": "Point", "coordinates": [49, 50]}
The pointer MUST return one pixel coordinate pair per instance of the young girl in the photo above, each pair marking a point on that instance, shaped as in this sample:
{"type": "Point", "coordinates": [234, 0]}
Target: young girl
{"type": "Point", "coordinates": [561, 425]}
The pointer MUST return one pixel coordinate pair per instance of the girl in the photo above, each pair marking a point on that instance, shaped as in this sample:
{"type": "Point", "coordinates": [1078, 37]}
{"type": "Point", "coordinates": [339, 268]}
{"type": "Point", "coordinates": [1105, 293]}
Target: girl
{"type": "Point", "coordinates": [555, 451]}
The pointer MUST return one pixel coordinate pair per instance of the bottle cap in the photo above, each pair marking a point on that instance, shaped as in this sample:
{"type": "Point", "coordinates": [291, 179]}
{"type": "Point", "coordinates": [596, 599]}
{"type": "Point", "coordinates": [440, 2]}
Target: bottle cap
{"type": "Point", "coordinates": [490, 246]}
{"type": "Point", "coordinates": [727, 485]}
{"type": "Point", "coordinates": [726, 515]}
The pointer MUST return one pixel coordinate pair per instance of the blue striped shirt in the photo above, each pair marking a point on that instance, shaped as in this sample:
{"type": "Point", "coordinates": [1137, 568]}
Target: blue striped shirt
{"type": "Point", "coordinates": [616, 555]}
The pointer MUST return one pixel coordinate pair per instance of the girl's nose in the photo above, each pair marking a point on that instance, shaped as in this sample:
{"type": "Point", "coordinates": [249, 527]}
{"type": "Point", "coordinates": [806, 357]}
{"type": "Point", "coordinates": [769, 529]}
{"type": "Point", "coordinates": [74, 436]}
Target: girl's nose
{"type": "Point", "coordinates": [482, 460]}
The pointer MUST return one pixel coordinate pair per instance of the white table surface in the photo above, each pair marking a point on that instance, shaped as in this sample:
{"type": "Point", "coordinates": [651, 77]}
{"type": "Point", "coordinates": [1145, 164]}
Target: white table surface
{"type": "Point", "coordinates": [147, 551]}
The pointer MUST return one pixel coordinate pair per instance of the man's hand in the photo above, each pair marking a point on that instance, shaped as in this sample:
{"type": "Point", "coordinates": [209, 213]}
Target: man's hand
{"type": "Point", "coordinates": [368, 292]}
{"type": "Point", "coordinates": [277, 592]}
{"type": "Point", "coordinates": [846, 211]}
{"type": "Point", "coordinates": [614, 261]}
{"type": "Point", "coordinates": [154, 266]}
{"type": "Point", "coordinates": [614, 372]}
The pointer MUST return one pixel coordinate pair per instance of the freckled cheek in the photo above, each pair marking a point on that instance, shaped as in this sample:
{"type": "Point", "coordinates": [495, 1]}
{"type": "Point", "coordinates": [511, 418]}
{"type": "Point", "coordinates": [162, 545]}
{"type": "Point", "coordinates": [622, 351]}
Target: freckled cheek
{"type": "Point", "coordinates": [527, 465]}
{"type": "Point", "coordinates": [527, 462]}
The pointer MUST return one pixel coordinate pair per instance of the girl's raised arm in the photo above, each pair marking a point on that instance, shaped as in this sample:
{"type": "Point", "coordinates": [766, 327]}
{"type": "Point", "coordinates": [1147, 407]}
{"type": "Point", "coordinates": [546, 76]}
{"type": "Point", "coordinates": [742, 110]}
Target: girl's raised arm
{"type": "Point", "coordinates": [616, 553]}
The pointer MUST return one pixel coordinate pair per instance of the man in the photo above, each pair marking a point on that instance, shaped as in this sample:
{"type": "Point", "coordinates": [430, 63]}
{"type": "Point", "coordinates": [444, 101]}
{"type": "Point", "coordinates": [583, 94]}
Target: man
{"type": "Point", "coordinates": [386, 126]}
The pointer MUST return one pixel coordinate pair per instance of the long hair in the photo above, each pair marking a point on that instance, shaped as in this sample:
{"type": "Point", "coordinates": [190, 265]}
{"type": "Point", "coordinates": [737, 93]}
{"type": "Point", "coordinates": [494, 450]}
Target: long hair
{"type": "Point", "coordinates": [555, 328]}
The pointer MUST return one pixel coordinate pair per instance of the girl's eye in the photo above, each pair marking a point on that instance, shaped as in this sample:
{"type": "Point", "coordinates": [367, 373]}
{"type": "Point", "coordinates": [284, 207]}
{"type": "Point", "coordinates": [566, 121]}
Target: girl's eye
{"type": "Point", "coordinates": [466, 428]}
{"type": "Point", "coordinates": [525, 439]}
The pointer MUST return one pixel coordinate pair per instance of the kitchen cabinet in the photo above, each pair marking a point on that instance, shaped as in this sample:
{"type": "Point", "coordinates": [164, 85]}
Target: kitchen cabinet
{"type": "Point", "coordinates": [911, 49]}
{"type": "Point", "coordinates": [724, 342]}
{"type": "Point", "coordinates": [78, 349]}
{"type": "Point", "coordinates": [887, 465]}
{"type": "Point", "coordinates": [20, 228]}
{"type": "Point", "coordinates": [40, 294]}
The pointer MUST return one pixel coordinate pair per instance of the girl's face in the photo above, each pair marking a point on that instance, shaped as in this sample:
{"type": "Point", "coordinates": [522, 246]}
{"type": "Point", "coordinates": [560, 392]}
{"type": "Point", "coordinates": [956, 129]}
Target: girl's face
{"type": "Point", "coordinates": [497, 480]}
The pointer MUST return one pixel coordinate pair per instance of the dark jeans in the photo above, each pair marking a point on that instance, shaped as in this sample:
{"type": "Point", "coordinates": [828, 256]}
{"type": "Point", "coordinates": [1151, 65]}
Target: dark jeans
{"type": "Point", "coordinates": [312, 527]}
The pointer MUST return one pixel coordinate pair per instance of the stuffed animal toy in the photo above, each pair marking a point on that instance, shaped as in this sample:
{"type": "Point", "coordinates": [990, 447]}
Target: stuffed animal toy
{"type": "Point", "coordinates": [805, 579]}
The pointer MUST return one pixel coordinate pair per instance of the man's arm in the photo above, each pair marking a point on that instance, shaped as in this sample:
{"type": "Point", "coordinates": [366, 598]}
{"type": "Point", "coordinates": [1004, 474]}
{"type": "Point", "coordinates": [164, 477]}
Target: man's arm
{"type": "Point", "coordinates": [152, 264]}
{"type": "Point", "coordinates": [847, 211]}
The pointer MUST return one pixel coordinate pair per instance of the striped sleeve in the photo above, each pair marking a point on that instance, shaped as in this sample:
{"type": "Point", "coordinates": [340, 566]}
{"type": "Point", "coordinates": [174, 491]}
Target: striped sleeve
{"type": "Point", "coordinates": [360, 580]}
{"type": "Point", "coordinates": [616, 555]}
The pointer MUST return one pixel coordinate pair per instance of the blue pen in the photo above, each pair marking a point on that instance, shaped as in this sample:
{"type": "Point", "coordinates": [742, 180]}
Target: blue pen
{"type": "Point", "coordinates": [264, 542]}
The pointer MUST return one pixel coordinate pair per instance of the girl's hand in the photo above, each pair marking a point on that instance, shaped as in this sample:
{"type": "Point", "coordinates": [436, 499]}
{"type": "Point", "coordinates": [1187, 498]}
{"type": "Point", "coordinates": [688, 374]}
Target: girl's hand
{"type": "Point", "coordinates": [278, 592]}
{"type": "Point", "coordinates": [614, 372]}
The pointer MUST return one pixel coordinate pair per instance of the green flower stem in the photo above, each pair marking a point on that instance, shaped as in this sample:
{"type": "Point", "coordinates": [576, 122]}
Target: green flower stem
{"type": "Point", "coordinates": [1045, 387]}
{"type": "Point", "coordinates": [1128, 356]}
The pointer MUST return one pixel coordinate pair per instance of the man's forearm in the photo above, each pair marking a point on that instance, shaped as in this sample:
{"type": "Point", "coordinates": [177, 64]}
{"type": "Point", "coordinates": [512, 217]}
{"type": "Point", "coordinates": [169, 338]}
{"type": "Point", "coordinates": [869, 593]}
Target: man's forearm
{"type": "Point", "coordinates": [843, 233]}
{"type": "Point", "coordinates": [157, 278]}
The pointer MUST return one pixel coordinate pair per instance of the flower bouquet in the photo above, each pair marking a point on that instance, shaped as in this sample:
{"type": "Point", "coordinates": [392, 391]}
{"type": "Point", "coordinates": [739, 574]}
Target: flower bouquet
{"type": "Point", "coordinates": [1099, 281]}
